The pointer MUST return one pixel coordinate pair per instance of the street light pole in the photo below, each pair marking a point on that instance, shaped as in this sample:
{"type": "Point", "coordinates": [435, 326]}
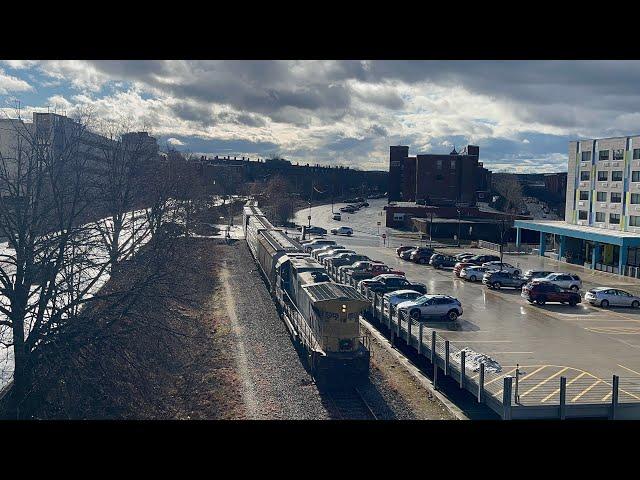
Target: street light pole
{"type": "Point", "coordinates": [430, 225]}
{"type": "Point", "coordinates": [458, 227]}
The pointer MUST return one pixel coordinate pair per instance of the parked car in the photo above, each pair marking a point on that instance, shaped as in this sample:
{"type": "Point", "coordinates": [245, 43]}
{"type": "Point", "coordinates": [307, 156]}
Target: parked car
{"type": "Point", "coordinates": [388, 283]}
{"type": "Point", "coordinates": [317, 243]}
{"type": "Point", "coordinates": [463, 256]}
{"type": "Point", "coordinates": [346, 259]}
{"type": "Point", "coordinates": [403, 248]}
{"type": "Point", "coordinates": [330, 253]}
{"type": "Point", "coordinates": [480, 259]}
{"type": "Point", "coordinates": [421, 255]}
{"type": "Point", "coordinates": [502, 266]}
{"type": "Point", "coordinates": [499, 279]}
{"type": "Point", "coordinates": [323, 249]}
{"type": "Point", "coordinates": [357, 266]}
{"type": "Point", "coordinates": [406, 253]}
{"type": "Point", "coordinates": [458, 267]}
{"type": "Point", "coordinates": [313, 230]}
{"type": "Point", "coordinates": [535, 274]}
{"type": "Point", "coordinates": [432, 306]}
{"type": "Point", "coordinates": [342, 231]}
{"type": "Point", "coordinates": [391, 300]}
{"type": "Point", "coordinates": [337, 216]}
{"type": "Point", "coordinates": [543, 292]}
{"type": "Point", "coordinates": [473, 273]}
{"type": "Point", "coordinates": [611, 297]}
{"type": "Point", "coordinates": [563, 280]}
{"type": "Point", "coordinates": [348, 210]}
{"type": "Point", "coordinates": [442, 261]}
{"type": "Point", "coordinates": [374, 271]}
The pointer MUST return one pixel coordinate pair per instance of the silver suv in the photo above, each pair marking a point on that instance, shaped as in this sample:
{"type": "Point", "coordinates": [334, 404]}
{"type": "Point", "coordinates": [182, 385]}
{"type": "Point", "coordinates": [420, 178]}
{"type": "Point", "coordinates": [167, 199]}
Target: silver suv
{"type": "Point", "coordinates": [432, 306]}
{"type": "Point", "coordinates": [563, 280]}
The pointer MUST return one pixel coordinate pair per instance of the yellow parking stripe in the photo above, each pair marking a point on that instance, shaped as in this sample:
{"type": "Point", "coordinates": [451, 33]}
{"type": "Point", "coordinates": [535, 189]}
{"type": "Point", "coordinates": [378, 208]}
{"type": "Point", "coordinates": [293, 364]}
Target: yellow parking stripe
{"type": "Point", "coordinates": [500, 377]}
{"type": "Point", "coordinates": [627, 368]}
{"type": "Point", "coordinates": [606, 397]}
{"type": "Point", "coordinates": [545, 381]}
{"type": "Point", "coordinates": [557, 390]}
{"type": "Point", "coordinates": [586, 390]}
{"type": "Point", "coordinates": [526, 376]}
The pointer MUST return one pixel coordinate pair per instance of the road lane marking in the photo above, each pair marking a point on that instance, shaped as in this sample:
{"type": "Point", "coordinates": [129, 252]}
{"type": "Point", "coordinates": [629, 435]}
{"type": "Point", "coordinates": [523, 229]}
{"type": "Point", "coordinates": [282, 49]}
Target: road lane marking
{"type": "Point", "coordinates": [627, 368]}
{"type": "Point", "coordinates": [604, 399]}
{"type": "Point", "coordinates": [545, 381]}
{"type": "Point", "coordinates": [500, 377]}
{"type": "Point", "coordinates": [615, 330]}
{"type": "Point", "coordinates": [557, 390]}
{"type": "Point", "coordinates": [577, 397]}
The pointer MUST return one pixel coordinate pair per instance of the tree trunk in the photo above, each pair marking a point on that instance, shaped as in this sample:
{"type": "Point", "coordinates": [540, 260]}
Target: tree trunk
{"type": "Point", "coordinates": [21, 371]}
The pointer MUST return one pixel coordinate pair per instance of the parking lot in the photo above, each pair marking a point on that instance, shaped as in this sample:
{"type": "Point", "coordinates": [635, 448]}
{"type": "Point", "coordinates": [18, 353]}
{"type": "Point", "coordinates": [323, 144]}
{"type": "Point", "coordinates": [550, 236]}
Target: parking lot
{"type": "Point", "coordinates": [585, 344]}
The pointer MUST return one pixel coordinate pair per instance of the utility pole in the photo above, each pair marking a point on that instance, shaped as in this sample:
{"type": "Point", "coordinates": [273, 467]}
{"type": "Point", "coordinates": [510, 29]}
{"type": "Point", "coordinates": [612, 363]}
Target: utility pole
{"type": "Point", "coordinates": [458, 226]}
{"type": "Point", "coordinates": [430, 225]}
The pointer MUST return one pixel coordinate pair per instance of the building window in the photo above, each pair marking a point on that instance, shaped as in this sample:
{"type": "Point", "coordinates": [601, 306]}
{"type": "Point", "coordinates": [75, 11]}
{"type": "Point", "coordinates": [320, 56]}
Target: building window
{"type": "Point", "coordinates": [634, 221]}
{"type": "Point", "coordinates": [439, 164]}
{"type": "Point", "coordinates": [618, 154]}
{"type": "Point", "coordinates": [601, 196]}
{"type": "Point", "coordinates": [603, 155]}
{"type": "Point", "coordinates": [584, 195]}
{"type": "Point", "coordinates": [636, 153]}
{"type": "Point", "coordinates": [635, 198]}
{"type": "Point", "coordinates": [453, 164]}
{"type": "Point", "coordinates": [633, 256]}
{"type": "Point", "coordinates": [585, 175]}
{"type": "Point", "coordinates": [600, 217]}
{"type": "Point", "coordinates": [616, 176]}
{"type": "Point", "coordinates": [616, 197]}
{"type": "Point", "coordinates": [635, 176]}
{"type": "Point", "coordinates": [603, 175]}
{"type": "Point", "coordinates": [586, 156]}
{"type": "Point", "coordinates": [614, 218]}
{"type": "Point", "coordinates": [583, 214]}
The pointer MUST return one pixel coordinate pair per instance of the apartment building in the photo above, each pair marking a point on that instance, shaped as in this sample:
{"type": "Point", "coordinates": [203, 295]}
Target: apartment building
{"type": "Point", "coordinates": [602, 210]}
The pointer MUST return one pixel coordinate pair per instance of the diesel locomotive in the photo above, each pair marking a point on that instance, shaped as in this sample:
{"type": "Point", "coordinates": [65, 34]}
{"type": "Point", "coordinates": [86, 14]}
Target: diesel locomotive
{"type": "Point", "coordinates": [322, 316]}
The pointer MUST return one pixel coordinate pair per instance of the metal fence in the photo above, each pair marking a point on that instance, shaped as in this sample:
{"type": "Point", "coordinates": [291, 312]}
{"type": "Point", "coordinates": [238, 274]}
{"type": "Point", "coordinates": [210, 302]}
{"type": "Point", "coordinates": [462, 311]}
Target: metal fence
{"type": "Point", "coordinates": [512, 394]}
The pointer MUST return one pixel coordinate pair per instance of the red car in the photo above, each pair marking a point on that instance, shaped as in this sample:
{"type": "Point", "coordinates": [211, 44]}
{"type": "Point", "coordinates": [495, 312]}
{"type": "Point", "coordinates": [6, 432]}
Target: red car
{"type": "Point", "coordinates": [459, 266]}
{"type": "Point", "coordinates": [543, 292]}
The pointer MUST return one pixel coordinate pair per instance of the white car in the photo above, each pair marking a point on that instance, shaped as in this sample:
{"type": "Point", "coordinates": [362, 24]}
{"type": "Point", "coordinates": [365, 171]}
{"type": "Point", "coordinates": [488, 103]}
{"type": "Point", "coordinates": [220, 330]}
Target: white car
{"type": "Point", "coordinates": [473, 274]}
{"type": "Point", "coordinates": [505, 267]}
{"type": "Point", "coordinates": [392, 299]}
{"type": "Point", "coordinates": [318, 243]}
{"type": "Point", "coordinates": [342, 231]}
{"type": "Point", "coordinates": [569, 281]}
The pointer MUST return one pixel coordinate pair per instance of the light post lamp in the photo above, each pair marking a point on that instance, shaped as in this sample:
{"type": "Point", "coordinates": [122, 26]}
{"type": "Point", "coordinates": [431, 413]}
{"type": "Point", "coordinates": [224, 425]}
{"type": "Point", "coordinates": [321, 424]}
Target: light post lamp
{"type": "Point", "coordinates": [430, 225]}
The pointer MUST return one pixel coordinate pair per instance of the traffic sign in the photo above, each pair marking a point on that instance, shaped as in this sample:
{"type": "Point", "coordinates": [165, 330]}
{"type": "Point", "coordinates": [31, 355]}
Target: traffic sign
{"type": "Point", "coordinates": [378, 223]}
{"type": "Point", "coordinates": [384, 235]}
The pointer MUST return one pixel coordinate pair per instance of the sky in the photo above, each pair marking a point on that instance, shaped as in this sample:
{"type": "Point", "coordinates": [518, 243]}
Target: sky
{"type": "Point", "coordinates": [522, 114]}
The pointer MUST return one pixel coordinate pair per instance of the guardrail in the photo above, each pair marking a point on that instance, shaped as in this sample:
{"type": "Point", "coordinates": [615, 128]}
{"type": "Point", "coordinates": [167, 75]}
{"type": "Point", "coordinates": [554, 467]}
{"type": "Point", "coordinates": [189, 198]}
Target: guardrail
{"type": "Point", "coordinates": [507, 247]}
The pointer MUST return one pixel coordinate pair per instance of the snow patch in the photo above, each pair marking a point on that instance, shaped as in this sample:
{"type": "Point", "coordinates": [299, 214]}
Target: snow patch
{"type": "Point", "coordinates": [473, 359]}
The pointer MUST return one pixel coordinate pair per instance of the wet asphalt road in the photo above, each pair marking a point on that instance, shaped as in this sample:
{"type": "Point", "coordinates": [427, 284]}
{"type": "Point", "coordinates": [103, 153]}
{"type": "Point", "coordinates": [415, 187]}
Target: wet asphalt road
{"type": "Point", "coordinates": [582, 341]}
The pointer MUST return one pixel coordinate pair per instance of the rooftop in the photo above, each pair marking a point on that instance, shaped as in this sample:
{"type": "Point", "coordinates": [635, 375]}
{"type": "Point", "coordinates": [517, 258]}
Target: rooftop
{"type": "Point", "coordinates": [585, 232]}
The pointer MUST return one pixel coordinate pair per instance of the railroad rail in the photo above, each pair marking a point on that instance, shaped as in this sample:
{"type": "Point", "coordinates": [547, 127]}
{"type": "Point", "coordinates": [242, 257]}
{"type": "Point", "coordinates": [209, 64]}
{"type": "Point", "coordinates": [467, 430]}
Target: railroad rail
{"type": "Point", "coordinates": [349, 404]}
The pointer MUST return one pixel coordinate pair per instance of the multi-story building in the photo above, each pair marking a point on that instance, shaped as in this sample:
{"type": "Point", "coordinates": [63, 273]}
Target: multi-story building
{"type": "Point", "coordinates": [437, 179]}
{"type": "Point", "coordinates": [602, 210]}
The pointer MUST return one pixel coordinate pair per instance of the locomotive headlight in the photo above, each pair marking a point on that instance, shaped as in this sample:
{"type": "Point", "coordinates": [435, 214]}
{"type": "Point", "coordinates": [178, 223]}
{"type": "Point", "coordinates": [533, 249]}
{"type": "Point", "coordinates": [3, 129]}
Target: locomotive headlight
{"type": "Point", "coordinates": [344, 309]}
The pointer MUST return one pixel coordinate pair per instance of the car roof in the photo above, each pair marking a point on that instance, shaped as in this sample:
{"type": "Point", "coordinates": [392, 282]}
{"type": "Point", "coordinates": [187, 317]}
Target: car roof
{"type": "Point", "coordinates": [400, 292]}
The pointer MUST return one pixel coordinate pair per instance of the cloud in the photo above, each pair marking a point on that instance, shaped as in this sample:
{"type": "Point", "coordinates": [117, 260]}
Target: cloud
{"type": "Point", "coordinates": [9, 83]}
{"type": "Point", "coordinates": [174, 142]}
{"type": "Point", "coordinates": [518, 112]}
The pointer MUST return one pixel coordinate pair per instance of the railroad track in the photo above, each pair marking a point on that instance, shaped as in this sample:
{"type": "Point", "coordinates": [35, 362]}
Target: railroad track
{"type": "Point", "coordinates": [349, 404]}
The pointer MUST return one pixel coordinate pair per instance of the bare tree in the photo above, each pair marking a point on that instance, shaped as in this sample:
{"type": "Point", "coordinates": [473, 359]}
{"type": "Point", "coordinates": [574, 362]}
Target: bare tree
{"type": "Point", "coordinates": [509, 187]}
{"type": "Point", "coordinates": [121, 165]}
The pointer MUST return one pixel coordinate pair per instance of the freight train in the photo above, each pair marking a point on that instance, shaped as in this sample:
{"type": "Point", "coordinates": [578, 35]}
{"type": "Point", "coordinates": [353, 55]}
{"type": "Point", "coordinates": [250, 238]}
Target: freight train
{"type": "Point", "coordinates": [323, 317]}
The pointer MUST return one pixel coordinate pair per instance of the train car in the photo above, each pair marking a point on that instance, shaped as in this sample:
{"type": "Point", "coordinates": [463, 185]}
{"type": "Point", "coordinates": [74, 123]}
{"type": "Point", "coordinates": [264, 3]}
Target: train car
{"type": "Point", "coordinates": [327, 319]}
{"type": "Point", "coordinates": [271, 246]}
{"type": "Point", "coordinates": [321, 315]}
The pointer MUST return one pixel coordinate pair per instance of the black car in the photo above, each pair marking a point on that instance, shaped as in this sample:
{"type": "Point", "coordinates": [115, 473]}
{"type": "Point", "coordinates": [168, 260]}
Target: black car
{"type": "Point", "coordinates": [438, 260]}
{"type": "Point", "coordinates": [421, 255]}
{"type": "Point", "coordinates": [480, 259]}
{"type": "Point", "coordinates": [501, 279]}
{"type": "Point", "coordinates": [395, 282]}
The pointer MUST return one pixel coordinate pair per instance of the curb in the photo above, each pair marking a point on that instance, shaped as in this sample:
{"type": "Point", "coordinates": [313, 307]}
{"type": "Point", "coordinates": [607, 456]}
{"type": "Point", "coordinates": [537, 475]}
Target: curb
{"type": "Point", "coordinates": [414, 371]}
